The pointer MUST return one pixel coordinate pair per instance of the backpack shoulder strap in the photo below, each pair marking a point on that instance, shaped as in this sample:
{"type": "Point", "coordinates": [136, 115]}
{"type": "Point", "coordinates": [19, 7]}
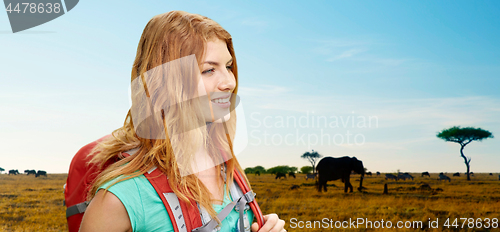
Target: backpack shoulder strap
{"type": "Point", "coordinates": [186, 216]}
{"type": "Point", "coordinates": [240, 180]}
{"type": "Point", "coordinates": [241, 202]}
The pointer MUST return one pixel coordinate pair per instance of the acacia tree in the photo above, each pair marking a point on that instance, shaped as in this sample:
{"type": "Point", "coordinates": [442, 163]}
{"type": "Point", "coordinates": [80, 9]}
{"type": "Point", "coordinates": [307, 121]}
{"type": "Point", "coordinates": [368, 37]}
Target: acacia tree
{"type": "Point", "coordinates": [464, 136]}
{"type": "Point", "coordinates": [312, 157]}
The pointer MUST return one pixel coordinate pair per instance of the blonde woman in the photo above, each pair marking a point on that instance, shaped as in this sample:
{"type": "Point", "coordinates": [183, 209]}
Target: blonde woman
{"type": "Point", "coordinates": [181, 124]}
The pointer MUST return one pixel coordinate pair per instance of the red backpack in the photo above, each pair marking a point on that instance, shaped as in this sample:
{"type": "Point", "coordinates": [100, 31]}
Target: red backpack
{"type": "Point", "coordinates": [184, 217]}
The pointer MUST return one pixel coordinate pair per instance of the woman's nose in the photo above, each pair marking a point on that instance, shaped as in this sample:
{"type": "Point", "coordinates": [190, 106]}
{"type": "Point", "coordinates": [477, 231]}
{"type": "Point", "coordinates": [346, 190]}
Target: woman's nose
{"type": "Point", "coordinates": [227, 81]}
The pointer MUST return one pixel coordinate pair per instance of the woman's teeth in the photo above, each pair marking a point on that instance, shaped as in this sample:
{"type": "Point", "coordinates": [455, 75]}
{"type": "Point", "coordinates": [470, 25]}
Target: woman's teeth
{"type": "Point", "coordinates": [225, 100]}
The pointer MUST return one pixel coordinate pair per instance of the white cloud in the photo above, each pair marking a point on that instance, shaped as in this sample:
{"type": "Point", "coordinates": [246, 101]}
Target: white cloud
{"type": "Point", "coordinates": [354, 50]}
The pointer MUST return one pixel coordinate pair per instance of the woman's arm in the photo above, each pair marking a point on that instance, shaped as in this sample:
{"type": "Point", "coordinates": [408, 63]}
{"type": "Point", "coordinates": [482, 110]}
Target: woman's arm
{"type": "Point", "coordinates": [105, 213]}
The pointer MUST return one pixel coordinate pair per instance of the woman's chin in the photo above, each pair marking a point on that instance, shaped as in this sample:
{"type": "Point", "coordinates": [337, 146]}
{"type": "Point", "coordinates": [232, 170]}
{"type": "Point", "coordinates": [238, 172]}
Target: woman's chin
{"type": "Point", "coordinates": [224, 119]}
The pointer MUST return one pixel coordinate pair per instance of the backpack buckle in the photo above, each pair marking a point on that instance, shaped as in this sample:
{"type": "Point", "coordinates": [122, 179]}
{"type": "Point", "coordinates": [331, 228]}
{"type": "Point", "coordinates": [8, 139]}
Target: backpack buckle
{"type": "Point", "coordinates": [76, 209]}
{"type": "Point", "coordinates": [250, 196]}
{"type": "Point", "coordinates": [247, 197]}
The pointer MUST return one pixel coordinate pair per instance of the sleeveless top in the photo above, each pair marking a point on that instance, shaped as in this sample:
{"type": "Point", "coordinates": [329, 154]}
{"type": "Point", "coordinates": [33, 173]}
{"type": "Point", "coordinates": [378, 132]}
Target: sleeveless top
{"type": "Point", "coordinates": [147, 212]}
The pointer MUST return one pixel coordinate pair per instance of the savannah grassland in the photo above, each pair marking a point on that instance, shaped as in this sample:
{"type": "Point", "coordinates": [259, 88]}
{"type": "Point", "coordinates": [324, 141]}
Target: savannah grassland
{"type": "Point", "coordinates": [35, 204]}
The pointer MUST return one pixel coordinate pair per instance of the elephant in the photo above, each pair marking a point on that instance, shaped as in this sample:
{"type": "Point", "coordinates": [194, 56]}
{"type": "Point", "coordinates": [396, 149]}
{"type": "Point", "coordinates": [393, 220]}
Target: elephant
{"type": "Point", "coordinates": [330, 168]}
{"type": "Point", "coordinates": [291, 174]}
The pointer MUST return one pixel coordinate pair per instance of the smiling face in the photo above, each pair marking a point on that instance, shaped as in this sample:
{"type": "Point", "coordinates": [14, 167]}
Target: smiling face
{"type": "Point", "coordinates": [217, 82]}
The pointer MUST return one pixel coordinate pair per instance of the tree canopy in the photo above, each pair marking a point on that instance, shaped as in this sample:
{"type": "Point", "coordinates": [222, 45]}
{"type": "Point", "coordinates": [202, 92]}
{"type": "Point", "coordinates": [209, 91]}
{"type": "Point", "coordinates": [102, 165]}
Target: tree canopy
{"type": "Point", "coordinates": [464, 136]}
{"type": "Point", "coordinates": [312, 157]}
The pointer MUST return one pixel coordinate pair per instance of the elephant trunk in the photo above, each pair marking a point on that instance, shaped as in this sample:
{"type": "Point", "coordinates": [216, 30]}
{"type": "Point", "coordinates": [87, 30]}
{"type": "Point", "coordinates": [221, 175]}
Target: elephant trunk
{"type": "Point", "coordinates": [361, 181]}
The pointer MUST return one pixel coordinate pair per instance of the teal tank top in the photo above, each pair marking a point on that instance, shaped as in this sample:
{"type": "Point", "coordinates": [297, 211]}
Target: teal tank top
{"type": "Point", "coordinates": [147, 212]}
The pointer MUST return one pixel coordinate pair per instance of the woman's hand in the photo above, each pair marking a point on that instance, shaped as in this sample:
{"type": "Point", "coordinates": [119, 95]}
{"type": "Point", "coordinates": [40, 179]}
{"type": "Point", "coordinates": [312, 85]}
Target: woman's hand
{"type": "Point", "coordinates": [272, 223]}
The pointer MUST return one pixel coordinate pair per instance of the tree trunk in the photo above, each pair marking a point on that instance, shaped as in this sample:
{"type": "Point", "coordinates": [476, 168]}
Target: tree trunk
{"type": "Point", "coordinates": [465, 161]}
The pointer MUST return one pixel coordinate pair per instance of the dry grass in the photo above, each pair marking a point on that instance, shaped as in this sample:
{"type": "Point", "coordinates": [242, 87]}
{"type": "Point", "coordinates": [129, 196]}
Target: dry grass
{"type": "Point", "coordinates": [478, 198]}
{"type": "Point", "coordinates": [32, 204]}
{"type": "Point", "coordinates": [35, 204]}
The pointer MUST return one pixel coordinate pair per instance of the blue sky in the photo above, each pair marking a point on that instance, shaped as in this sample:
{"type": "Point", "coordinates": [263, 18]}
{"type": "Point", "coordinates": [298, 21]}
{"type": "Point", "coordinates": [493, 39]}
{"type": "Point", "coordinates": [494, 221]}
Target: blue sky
{"type": "Point", "coordinates": [415, 66]}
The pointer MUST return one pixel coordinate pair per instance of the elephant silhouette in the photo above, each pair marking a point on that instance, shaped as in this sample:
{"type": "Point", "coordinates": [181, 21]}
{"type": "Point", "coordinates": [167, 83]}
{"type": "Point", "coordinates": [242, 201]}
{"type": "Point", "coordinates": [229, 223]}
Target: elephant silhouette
{"type": "Point", "coordinates": [330, 168]}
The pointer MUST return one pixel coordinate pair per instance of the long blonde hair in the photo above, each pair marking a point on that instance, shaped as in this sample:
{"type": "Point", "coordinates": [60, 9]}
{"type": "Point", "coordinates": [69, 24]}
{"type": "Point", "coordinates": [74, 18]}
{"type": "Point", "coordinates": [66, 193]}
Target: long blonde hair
{"type": "Point", "coordinates": [165, 38]}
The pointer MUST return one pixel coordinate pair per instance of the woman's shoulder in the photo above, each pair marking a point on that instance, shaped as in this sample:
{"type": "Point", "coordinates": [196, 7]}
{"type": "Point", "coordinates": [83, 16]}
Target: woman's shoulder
{"type": "Point", "coordinates": [144, 207]}
{"type": "Point", "coordinates": [132, 191]}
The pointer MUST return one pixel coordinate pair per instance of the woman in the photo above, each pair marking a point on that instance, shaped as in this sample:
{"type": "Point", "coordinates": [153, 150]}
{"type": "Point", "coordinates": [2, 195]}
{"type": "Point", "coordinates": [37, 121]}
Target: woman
{"type": "Point", "coordinates": [180, 123]}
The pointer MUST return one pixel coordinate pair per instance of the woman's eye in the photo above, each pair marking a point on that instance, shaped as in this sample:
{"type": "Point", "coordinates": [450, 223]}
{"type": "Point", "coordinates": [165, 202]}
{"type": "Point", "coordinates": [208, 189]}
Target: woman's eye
{"type": "Point", "coordinates": [208, 71]}
{"type": "Point", "coordinates": [230, 67]}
